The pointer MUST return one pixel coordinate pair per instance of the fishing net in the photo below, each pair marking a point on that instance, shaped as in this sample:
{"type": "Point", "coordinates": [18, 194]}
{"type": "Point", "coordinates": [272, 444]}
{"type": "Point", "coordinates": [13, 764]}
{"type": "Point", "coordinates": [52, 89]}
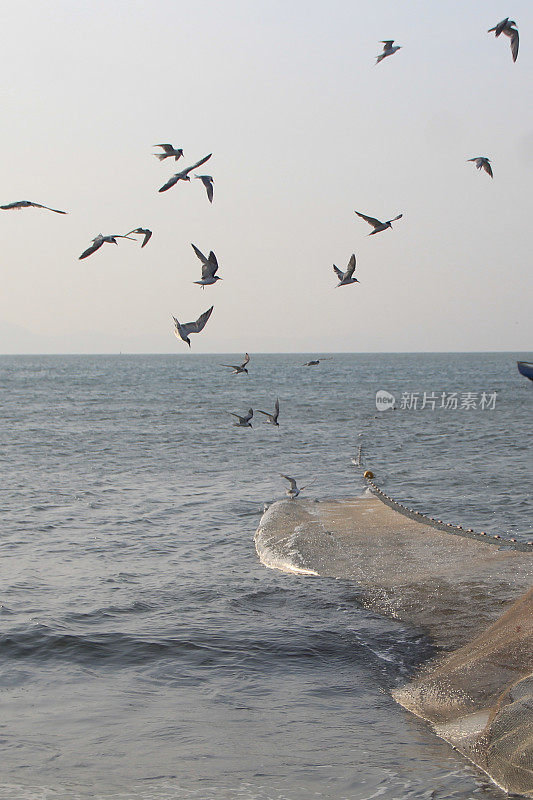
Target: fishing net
{"type": "Point", "coordinates": [470, 593]}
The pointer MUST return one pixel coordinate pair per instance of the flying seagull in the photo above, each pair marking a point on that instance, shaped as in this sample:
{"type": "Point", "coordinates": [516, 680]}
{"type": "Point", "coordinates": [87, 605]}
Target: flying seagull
{"type": "Point", "coordinates": [316, 362]}
{"type": "Point", "coordinates": [346, 277]}
{"type": "Point", "coordinates": [506, 27]}
{"type": "Point", "coordinates": [244, 422]}
{"type": "Point", "coordinates": [293, 490]}
{"type": "Point", "coordinates": [170, 151]}
{"type": "Point", "coordinates": [28, 204]}
{"type": "Point", "coordinates": [184, 174]}
{"type": "Point", "coordinates": [272, 418]}
{"type": "Point", "coordinates": [482, 163]}
{"type": "Point", "coordinates": [147, 234]}
{"type": "Point", "coordinates": [209, 268]}
{"type": "Point", "coordinates": [376, 224]}
{"type": "Point", "coordinates": [182, 331]}
{"type": "Point", "coordinates": [388, 49]}
{"type": "Point", "coordinates": [99, 240]}
{"type": "Point", "coordinates": [207, 181]}
{"type": "Point", "coordinates": [237, 369]}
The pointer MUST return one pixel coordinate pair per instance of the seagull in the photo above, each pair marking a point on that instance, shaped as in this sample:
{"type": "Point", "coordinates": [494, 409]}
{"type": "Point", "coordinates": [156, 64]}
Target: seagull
{"type": "Point", "coordinates": [207, 181]}
{"type": "Point", "coordinates": [99, 240]}
{"type": "Point", "coordinates": [272, 418]}
{"type": "Point", "coordinates": [28, 204]}
{"type": "Point", "coordinates": [238, 369]}
{"type": "Point", "coordinates": [388, 49]}
{"type": "Point", "coordinates": [376, 224]}
{"type": "Point", "coordinates": [316, 362]}
{"type": "Point", "coordinates": [184, 174]}
{"type": "Point", "coordinates": [482, 162]}
{"type": "Point", "coordinates": [147, 234]}
{"type": "Point", "coordinates": [244, 422]}
{"type": "Point", "coordinates": [209, 268]}
{"type": "Point", "coordinates": [346, 277]}
{"type": "Point", "coordinates": [293, 491]}
{"type": "Point", "coordinates": [170, 151]}
{"type": "Point", "coordinates": [182, 331]}
{"type": "Point", "coordinates": [506, 27]}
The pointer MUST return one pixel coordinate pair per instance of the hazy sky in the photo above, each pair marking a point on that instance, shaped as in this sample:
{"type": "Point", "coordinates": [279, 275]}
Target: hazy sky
{"type": "Point", "coordinates": [303, 129]}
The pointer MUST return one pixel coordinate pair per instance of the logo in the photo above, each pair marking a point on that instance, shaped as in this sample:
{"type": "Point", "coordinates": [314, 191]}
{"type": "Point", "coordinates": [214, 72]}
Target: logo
{"type": "Point", "coordinates": [384, 400]}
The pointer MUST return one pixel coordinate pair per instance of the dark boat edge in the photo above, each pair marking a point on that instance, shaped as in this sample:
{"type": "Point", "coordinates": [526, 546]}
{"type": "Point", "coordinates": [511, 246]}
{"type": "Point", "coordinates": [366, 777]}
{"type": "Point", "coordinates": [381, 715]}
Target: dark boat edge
{"type": "Point", "coordinates": [525, 368]}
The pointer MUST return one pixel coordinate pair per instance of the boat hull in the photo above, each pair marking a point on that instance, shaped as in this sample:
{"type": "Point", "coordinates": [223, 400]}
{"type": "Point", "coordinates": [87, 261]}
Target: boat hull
{"type": "Point", "coordinates": [525, 368]}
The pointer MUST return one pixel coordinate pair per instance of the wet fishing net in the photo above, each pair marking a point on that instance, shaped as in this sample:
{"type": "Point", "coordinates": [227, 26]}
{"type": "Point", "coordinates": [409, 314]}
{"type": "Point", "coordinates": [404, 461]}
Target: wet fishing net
{"type": "Point", "coordinates": [471, 593]}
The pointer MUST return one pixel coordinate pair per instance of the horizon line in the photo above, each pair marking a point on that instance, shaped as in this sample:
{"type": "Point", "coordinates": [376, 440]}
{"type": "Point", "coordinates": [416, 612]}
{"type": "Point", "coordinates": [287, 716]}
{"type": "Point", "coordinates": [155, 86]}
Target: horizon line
{"type": "Point", "coordinates": [282, 353]}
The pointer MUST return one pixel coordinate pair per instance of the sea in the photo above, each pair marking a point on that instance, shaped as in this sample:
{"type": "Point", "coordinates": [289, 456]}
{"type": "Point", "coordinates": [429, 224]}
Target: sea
{"type": "Point", "coordinates": [145, 652]}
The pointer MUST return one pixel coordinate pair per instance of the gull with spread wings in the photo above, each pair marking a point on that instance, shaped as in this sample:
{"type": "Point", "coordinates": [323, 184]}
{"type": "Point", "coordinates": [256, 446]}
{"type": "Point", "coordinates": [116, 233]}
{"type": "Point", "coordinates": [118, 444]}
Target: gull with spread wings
{"type": "Point", "coordinates": [292, 492]}
{"type": "Point", "coordinates": [482, 162]}
{"type": "Point", "coordinates": [209, 268]}
{"type": "Point", "coordinates": [207, 181]}
{"type": "Point", "coordinates": [169, 152]}
{"type": "Point", "coordinates": [145, 232]}
{"type": "Point", "coordinates": [99, 240]}
{"type": "Point", "coordinates": [184, 174]}
{"type": "Point", "coordinates": [376, 224]}
{"type": "Point", "coordinates": [182, 330]}
{"type": "Point", "coordinates": [28, 204]}
{"type": "Point", "coordinates": [272, 418]}
{"type": "Point", "coordinates": [316, 361]}
{"type": "Point", "coordinates": [244, 422]}
{"type": "Point", "coordinates": [346, 277]}
{"type": "Point", "coordinates": [506, 27]}
{"type": "Point", "coordinates": [238, 369]}
{"type": "Point", "coordinates": [388, 49]}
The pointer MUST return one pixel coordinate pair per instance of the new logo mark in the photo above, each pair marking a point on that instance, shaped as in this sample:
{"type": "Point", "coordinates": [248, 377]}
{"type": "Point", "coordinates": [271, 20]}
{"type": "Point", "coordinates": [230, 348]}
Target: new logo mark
{"type": "Point", "coordinates": [384, 400]}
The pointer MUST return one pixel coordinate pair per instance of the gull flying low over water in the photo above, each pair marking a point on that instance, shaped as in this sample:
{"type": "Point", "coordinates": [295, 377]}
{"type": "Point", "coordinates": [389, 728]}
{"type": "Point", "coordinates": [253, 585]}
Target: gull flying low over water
{"type": "Point", "coordinates": [238, 369]}
{"type": "Point", "coordinates": [99, 240]}
{"type": "Point", "coordinates": [388, 49]}
{"type": "Point", "coordinates": [243, 422]}
{"type": "Point", "coordinates": [184, 174]}
{"type": "Point", "coordinates": [317, 361]}
{"type": "Point", "coordinates": [182, 331]}
{"type": "Point", "coordinates": [346, 277]}
{"type": "Point", "coordinates": [147, 234]}
{"type": "Point", "coordinates": [482, 162]}
{"type": "Point", "coordinates": [209, 268]}
{"type": "Point", "coordinates": [28, 204]}
{"type": "Point", "coordinates": [506, 27]}
{"type": "Point", "coordinates": [376, 224]}
{"type": "Point", "coordinates": [293, 490]}
{"type": "Point", "coordinates": [207, 181]}
{"type": "Point", "coordinates": [169, 151]}
{"type": "Point", "coordinates": [272, 418]}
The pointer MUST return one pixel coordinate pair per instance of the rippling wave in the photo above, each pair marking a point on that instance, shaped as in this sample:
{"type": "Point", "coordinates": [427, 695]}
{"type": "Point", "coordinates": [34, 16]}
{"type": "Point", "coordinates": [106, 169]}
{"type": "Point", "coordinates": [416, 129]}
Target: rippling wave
{"type": "Point", "coordinates": [145, 651]}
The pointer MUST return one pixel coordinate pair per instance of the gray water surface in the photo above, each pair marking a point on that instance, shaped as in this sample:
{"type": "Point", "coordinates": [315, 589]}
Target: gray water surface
{"type": "Point", "coordinates": [145, 652]}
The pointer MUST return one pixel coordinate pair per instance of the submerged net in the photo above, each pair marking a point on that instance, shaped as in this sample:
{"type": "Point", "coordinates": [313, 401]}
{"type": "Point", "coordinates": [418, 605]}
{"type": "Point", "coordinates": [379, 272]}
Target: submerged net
{"type": "Point", "coordinates": [472, 595]}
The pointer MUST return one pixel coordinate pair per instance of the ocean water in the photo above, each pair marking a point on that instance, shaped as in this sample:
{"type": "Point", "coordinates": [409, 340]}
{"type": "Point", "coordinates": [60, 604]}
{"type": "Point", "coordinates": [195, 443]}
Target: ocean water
{"type": "Point", "coordinates": [145, 651]}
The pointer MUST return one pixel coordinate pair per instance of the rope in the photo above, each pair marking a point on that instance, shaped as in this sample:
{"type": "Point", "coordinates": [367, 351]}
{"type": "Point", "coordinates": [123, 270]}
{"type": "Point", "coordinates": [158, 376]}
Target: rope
{"type": "Point", "coordinates": [448, 527]}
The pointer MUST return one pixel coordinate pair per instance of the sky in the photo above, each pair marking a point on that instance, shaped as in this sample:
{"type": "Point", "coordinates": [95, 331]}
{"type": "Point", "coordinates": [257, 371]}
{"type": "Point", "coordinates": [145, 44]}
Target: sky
{"type": "Point", "coordinates": [304, 129]}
